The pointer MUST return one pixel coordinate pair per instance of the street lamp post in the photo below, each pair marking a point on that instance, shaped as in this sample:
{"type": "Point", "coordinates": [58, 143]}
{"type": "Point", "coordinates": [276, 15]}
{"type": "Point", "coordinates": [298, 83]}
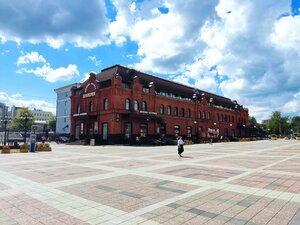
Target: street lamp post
{"type": "Point", "coordinates": [196, 133]}
{"type": "Point", "coordinates": [25, 117]}
{"type": "Point", "coordinates": [5, 119]}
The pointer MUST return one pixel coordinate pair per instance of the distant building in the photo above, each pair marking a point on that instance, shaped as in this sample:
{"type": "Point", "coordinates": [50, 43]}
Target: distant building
{"type": "Point", "coordinates": [3, 109]}
{"type": "Point", "coordinates": [15, 111]}
{"type": "Point", "coordinates": [40, 116]}
{"type": "Point", "coordinates": [265, 122]}
{"type": "Point", "coordinates": [63, 108]}
{"type": "Point", "coordinates": [122, 105]}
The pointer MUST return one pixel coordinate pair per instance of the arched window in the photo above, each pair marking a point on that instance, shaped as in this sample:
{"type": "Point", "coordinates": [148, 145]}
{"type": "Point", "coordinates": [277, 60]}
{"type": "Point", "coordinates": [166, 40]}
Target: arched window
{"type": "Point", "coordinates": [208, 116]}
{"type": "Point", "coordinates": [105, 104]}
{"type": "Point", "coordinates": [176, 111]}
{"type": "Point", "coordinates": [204, 116]}
{"type": "Point", "coordinates": [136, 105]}
{"type": "Point", "coordinates": [199, 114]}
{"type": "Point", "coordinates": [169, 110]}
{"type": "Point", "coordinates": [78, 108]}
{"type": "Point", "coordinates": [144, 106]}
{"type": "Point", "coordinates": [182, 112]}
{"type": "Point", "coordinates": [218, 117]}
{"type": "Point", "coordinates": [188, 113]}
{"type": "Point", "coordinates": [91, 106]}
{"type": "Point", "coordinates": [222, 118]}
{"type": "Point", "coordinates": [162, 109]}
{"type": "Point", "coordinates": [127, 104]}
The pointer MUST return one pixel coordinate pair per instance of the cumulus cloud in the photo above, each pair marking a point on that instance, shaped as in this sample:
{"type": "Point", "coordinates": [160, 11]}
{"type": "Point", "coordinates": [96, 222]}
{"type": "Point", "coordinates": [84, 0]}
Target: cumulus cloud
{"type": "Point", "coordinates": [247, 50]}
{"type": "Point", "coordinates": [54, 22]}
{"type": "Point", "coordinates": [33, 57]}
{"type": "Point", "coordinates": [53, 75]}
{"type": "Point", "coordinates": [18, 100]}
{"type": "Point", "coordinates": [46, 72]}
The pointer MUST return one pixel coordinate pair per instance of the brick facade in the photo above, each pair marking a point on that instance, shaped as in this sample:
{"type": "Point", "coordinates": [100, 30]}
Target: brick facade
{"type": "Point", "coordinates": [121, 105]}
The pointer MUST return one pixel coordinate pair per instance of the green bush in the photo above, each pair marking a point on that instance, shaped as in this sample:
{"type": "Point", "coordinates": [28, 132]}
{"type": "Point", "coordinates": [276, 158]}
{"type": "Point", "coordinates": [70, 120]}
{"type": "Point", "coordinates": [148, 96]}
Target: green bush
{"type": "Point", "coordinates": [273, 135]}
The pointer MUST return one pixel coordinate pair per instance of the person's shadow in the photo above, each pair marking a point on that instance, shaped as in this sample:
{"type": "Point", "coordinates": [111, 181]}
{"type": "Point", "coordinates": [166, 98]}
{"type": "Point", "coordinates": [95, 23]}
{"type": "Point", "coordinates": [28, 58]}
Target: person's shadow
{"type": "Point", "coordinates": [188, 157]}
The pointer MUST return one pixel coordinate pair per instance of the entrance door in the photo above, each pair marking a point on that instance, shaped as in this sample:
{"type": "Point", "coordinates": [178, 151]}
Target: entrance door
{"type": "Point", "coordinates": [105, 131]}
{"type": "Point", "coordinates": [77, 132]}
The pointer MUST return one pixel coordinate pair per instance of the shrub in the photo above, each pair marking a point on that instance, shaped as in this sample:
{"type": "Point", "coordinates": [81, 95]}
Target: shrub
{"type": "Point", "coordinates": [273, 135]}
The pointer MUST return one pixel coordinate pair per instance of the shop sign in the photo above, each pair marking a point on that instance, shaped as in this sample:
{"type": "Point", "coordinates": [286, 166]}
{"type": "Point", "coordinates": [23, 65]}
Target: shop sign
{"type": "Point", "coordinates": [87, 95]}
{"type": "Point", "coordinates": [149, 113]}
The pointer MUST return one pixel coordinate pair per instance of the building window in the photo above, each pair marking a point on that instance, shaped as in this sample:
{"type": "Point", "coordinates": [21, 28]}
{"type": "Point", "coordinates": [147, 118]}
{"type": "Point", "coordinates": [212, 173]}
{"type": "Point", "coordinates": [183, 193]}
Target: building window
{"type": "Point", "coordinates": [182, 112]}
{"type": "Point", "coordinates": [188, 113]}
{"type": "Point", "coordinates": [105, 104]}
{"type": "Point", "coordinates": [146, 90]}
{"type": "Point", "coordinates": [188, 131]}
{"type": "Point", "coordinates": [105, 131]}
{"type": "Point", "coordinates": [176, 130]}
{"type": "Point", "coordinates": [232, 119]}
{"type": "Point", "coordinates": [199, 114]}
{"type": "Point", "coordinates": [218, 117]}
{"type": "Point", "coordinates": [136, 105]}
{"type": "Point", "coordinates": [169, 110]}
{"type": "Point", "coordinates": [222, 118]}
{"type": "Point", "coordinates": [127, 130]}
{"type": "Point", "coordinates": [204, 116]}
{"type": "Point", "coordinates": [125, 85]}
{"type": "Point", "coordinates": [143, 130]}
{"type": "Point", "coordinates": [127, 104]}
{"type": "Point", "coordinates": [144, 106]}
{"type": "Point", "coordinates": [208, 116]}
{"type": "Point", "coordinates": [162, 109]}
{"type": "Point", "coordinates": [176, 111]}
{"type": "Point", "coordinates": [91, 107]}
{"type": "Point", "coordinates": [78, 108]}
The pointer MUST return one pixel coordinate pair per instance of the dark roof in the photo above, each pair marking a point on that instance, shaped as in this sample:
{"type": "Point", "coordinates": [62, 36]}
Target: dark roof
{"type": "Point", "coordinates": [162, 85]}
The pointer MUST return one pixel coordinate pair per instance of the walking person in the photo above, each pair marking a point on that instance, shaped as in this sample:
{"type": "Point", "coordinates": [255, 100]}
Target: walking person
{"type": "Point", "coordinates": [180, 144]}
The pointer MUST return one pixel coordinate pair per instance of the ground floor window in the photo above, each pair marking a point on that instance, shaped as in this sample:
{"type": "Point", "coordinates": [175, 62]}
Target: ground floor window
{"type": "Point", "coordinates": [127, 130]}
{"type": "Point", "coordinates": [176, 130]}
{"type": "Point", "coordinates": [105, 131]}
{"type": "Point", "coordinates": [188, 131]}
{"type": "Point", "coordinates": [162, 131]}
{"type": "Point", "coordinates": [143, 130]}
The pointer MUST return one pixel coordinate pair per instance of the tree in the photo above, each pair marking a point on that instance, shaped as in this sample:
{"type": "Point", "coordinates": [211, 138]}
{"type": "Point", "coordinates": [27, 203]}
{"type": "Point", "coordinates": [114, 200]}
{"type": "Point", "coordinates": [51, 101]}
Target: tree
{"type": "Point", "coordinates": [51, 124]}
{"type": "Point", "coordinates": [278, 124]}
{"type": "Point", "coordinates": [20, 123]}
{"type": "Point", "coordinates": [295, 124]}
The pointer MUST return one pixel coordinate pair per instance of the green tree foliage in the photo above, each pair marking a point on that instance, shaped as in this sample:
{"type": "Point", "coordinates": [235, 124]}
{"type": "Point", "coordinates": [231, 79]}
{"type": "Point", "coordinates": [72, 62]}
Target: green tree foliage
{"type": "Point", "coordinates": [295, 124]}
{"type": "Point", "coordinates": [19, 121]}
{"type": "Point", "coordinates": [256, 129]}
{"type": "Point", "coordinates": [278, 124]}
{"type": "Point", "coordinates": [51, 122]}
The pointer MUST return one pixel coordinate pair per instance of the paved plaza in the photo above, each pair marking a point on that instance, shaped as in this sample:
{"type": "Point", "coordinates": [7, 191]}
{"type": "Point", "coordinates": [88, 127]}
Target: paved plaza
{"type": "Point", "coordinates": [251, 183]}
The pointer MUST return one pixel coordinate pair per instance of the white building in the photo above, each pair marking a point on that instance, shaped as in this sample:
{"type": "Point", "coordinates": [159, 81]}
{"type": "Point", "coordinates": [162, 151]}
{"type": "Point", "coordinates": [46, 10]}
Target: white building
{"type": "Point", "coordinates": [63, 108]}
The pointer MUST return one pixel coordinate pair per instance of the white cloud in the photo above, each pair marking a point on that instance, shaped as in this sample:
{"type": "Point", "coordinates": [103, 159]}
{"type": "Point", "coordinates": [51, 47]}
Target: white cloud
{"type": "Point", "coordinates": [54, 22]}
{"type": "Point", "coordinates": [95, 60]}
{"type": "Point", "coordinates": [252, 47]}
{"type": "Point", "coordinates": [33, 57]}
{"type": "Point", "coordinates": [18, 100]}
{"type": "Point", "coordinates": [53, 75]}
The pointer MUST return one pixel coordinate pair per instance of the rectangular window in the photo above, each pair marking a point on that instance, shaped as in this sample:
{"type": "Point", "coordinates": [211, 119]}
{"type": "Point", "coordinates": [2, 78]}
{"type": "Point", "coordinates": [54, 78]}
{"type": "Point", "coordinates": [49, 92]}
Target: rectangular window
{"type": "Point", "coordinates": [128, 130]}
{"type": "Point", "coordinates": [143, 130]}
{"type": "Point", "coordinates": [125, 85]}
{"type": "Point", "coordinates": [105, 131]}
{"type": "Point", "coordinates": [176, 130]}
{"type": "Point", "coordinates": [146, 90]}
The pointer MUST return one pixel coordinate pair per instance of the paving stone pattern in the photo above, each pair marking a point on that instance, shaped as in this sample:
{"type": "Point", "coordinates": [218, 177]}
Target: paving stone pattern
{"type": "Point", "coordinates": [248, 183]}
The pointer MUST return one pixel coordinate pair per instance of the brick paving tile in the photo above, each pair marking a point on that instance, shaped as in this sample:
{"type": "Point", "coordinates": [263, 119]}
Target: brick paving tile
{"type": "Point", "coordinates": [251, 183]}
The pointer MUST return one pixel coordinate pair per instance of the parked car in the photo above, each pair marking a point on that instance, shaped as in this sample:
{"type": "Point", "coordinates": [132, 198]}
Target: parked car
{"type": "Point", "coordinates": [62, 139]}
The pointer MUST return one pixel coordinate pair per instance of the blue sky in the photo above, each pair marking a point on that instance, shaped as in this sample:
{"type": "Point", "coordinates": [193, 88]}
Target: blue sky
{"type": "Point", "coordinates": [245, 50]}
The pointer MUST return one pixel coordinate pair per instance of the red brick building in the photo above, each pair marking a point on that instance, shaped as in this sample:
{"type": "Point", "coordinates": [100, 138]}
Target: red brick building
{"type": "Point", "coordinates": [122, 105]}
